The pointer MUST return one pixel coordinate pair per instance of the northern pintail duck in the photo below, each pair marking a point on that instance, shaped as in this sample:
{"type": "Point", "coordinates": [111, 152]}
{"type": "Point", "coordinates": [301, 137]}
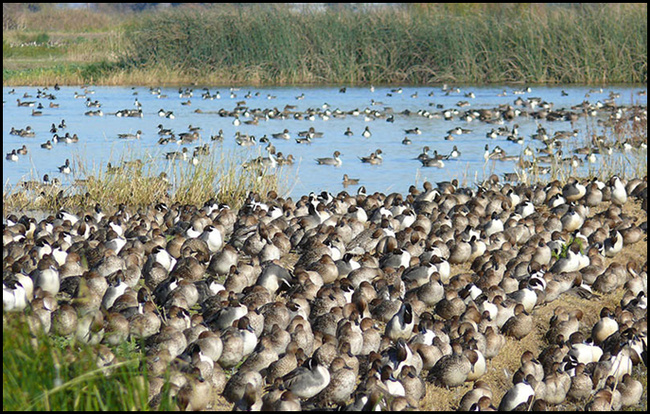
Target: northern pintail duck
{"type": "Point", "coordinates": [452, 370]}
{"type": "Point", "coordinates": [336, 161]}
{"type": "Point", "coordinates": [415, 130]}
{"type": "Point", "coordinates": [522, 393]}
{"type": "Point", "coordinates": [401, 324]}
{"type": "Point", "coordinates": [374, 159]}
{"type": "Point", "coordinates": [341, 385]}
{"type": "Point", "coordinates": [282, 135]}
{"type": "Point", "coordinates": [307, 380]}
{"type": "Point", "coordinates": [349, 181]}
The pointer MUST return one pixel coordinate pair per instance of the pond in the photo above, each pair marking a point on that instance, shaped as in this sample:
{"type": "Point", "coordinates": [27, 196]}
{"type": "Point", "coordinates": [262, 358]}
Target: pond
{"type": "Point", "coordinates": [99, 142]}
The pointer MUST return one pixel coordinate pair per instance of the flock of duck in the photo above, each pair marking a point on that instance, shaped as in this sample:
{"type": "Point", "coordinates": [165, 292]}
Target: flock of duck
{"type": "Point", "coordinates": [532, 158]}
{"type": "Point", "coordinates": [349, 301]}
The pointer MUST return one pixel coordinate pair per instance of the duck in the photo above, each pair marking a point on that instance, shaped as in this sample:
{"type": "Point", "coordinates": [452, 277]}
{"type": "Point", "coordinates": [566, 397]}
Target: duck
{"type": "Point", "coordinates": [64, 320]}
{"type": "Point", "coordinates": [605, 327]}
{"type": "Point", "coordinates": [282, 135]}
{"type": "Point", "coordinates": [336, 161]}
{"type": "Point", "coordinates": [452, 370]}
{"type": "Point", "coordinates": [581, 383]}
{"type": "Point", "coordinates": [374, 159]}
{"type": "Point", "coordinates": [631, 391]}
{"type": "Point", "coordinates": [401, 324]}
{"type": "Point", "coordinates": [521, 393]}
{"type": "Point", "coordinates": [65, 168]}
{"type": "Point", "coordinates": [519, 325]}
{"type": "Point", "coordinates": [12, 156]}
{"type": "Point", "coordinates": [307, 380]}
{"type": "Point", "coordinates": [197, 392]}
{"type": "Point", "coordinates": [455, 153]}
{"type": "Point", "coordinates": [480, 389]}
{"type": "Point", "coordinates": [349, 181]}
{"type": "Point", "coordinates": [130, 136]}
{"type": "Point", "coordinates": [366, 133]}
{"type": "Point", "coordinates": [433, 162]}
{"type": "Point", "coordinates": [618, 191]}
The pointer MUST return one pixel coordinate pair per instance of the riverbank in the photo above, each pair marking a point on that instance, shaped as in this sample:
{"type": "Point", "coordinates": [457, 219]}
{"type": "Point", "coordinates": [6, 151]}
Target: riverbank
{"type": "Point", "coordinates": [42, 371]}
{"type": "Point", "coordinates": [263, 45]}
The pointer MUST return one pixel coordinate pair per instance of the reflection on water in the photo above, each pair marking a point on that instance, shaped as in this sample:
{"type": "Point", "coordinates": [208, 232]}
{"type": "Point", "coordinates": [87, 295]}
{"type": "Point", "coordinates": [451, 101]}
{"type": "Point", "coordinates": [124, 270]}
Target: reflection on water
{"type": "Point", "coordinates": [99, 143]}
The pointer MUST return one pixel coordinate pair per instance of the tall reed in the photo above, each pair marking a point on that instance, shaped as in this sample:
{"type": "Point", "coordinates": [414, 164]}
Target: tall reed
{"type": "Point", "coordinates": [588, 44]}
{"type": "Point", "coordinates": [141, 180]}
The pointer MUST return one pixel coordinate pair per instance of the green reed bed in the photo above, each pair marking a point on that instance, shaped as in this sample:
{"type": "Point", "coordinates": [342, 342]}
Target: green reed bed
{"type": "Point", "coordinates": [473, 43]}
{"type": "Point", "coordinates": [534, 44]}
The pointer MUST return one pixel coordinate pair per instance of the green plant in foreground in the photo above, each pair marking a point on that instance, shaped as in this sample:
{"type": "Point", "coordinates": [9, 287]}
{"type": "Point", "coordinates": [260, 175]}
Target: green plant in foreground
{"type": "Point", "coordinates": [566, 246]}
{"type": "Point", "coordinates": [41, 372]}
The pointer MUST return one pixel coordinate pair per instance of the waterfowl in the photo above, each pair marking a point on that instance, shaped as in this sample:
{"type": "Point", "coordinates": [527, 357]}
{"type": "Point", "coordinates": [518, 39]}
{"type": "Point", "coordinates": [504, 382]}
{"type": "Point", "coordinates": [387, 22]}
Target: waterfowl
{"type": "Point", "coordinates": [341, 385]}
{"type": "Point", "coordinates": [519, 325]}
{"type": "Point", "coordinates": [481, 389]}
{"type": "Point", "coordinates": [454, 153]}
{"type": "Point", "coordinates": [452, 370]}
{"type": "Point", "coordinates": [366, 133]}
{"type": "Point", "coordinates": [307, 380]}
{"type": "Point", "coordinates": [12, 156]}
{"type": "Point", "coordinates": [631, 391]}
{"type": "Point", "coordinates": [433, 162]}
{"type": "Point", "coordinates": [374, 159]}
{"type": "Point", "coordinates": [349, 181]}
{"type": "Point", "coordinates": [282, 135]}
{"type": "Point", "coordinates": [65, 168]}
{"type": "Point", "coordinates": [401, 324]}
{"type": "Point", "coordinates": [618, 191]}
{"type": "Point", "coordinates": [521, 393]}
{"type": "Point", "coordinates": [245, 140]}
{"type": "Point", "coordinates": [64, 320]}
{"type": "Point", "coordinates": [177, 155]}
{"type": "Point", "coordinates": [605, 327]}
{"type": "Point", "coordinates": [336, 161]}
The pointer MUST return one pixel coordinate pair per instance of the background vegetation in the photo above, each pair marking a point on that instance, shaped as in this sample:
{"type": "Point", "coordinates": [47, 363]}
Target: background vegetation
{"type": "Point", "coordinates": [265, 44]}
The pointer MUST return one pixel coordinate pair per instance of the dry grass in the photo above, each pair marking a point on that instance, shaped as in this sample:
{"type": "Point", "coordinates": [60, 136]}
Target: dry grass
{"type": "Point", "coordinates": [138, 183]}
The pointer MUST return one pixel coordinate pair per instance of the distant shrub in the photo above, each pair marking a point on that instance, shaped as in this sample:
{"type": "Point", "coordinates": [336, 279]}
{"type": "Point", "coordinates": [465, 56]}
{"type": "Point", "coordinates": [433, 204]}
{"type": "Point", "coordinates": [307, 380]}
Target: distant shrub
{"type": "Point", "coordinates": [42, 39]}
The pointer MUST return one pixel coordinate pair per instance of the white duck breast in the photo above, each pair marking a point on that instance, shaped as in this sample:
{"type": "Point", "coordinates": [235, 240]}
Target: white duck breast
{"type": "Point", "coordinates": [163, 257]}
{"type": "Point", "coordinates": [48, 280]}
{"type": "Point", "coordinates": [213, 237]}
{"type": "Point", "coordinates": [525, 209]}
{"type": "Point", "coordinates": [586, 353]}
{"type": "Point", "coordinates": [495, 225]}
{"type": "Point", "coordinates": [613, 244]}
{"type": "Point", "coordinates": [401, 324]}
{"type": "Point", "coordinates": [116, 244]}
{"type": "Point", "coordinates": [619, 194]}
{"type": "Point", "coordinates": [113, 292]}
{"type": "Point", "coordinates": [516, 395]}
{"type": "Point", "coordinates": [14, 296]}
{"type": "Point", "coordinates": [59, 255]}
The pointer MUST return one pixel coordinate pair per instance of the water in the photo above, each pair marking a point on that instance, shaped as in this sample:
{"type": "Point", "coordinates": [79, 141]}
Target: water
{"type": "Point", "coordinates": [99, 144]}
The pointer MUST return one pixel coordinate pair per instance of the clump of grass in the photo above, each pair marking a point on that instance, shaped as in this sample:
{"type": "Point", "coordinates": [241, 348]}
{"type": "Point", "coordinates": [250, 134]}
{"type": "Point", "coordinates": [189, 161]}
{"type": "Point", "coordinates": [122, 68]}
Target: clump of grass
{"type": "Point", "coordinates": [148, 179]}
{"type": "Point", "coordinates": [42, 372]}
